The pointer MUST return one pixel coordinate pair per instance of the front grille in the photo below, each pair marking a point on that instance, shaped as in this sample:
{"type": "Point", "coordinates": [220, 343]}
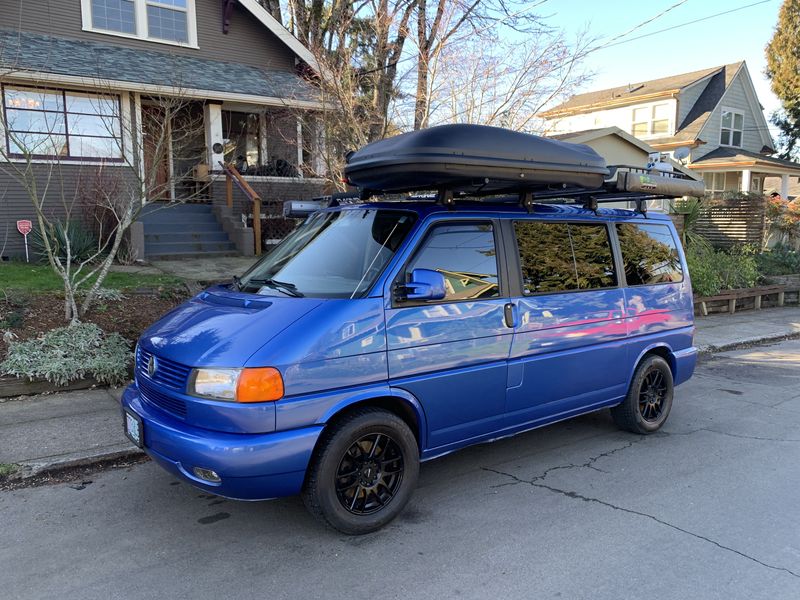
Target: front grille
{"type": "Point", "coordinates": [156, 397]}
{"type": "Point", "coordinates": [168, 372]}
{"type": "Point", "coordinates": [158, 390]}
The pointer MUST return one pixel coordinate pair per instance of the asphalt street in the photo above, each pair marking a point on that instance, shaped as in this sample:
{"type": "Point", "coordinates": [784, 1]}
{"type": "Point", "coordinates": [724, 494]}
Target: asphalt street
{"type": "Point", "coordinates": [707, 508]}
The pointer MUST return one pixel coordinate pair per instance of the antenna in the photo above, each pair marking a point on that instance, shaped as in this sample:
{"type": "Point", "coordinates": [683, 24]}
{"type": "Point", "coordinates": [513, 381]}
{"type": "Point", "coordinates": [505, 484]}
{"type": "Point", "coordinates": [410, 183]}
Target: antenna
{"type": "Point", "coordinates": [681, 153]}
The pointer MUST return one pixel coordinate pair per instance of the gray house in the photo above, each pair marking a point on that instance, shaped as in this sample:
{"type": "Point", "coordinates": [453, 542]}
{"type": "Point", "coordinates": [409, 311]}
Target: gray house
{"type": "Point", "coordinates": [713, 114]}
{"type": "Point", "coordinates": [68, 68]}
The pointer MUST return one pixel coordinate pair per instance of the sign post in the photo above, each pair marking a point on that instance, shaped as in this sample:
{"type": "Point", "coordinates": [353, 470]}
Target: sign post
{"type": "Point", "coordinates": [24, 226]}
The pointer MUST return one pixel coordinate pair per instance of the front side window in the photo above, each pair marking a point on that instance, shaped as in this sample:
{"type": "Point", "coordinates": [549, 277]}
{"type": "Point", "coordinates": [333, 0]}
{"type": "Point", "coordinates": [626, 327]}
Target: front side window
{"type": "Point", "coordinates": [56, 123]}
{"type": "Point", "coordinates": [158, 20]}
{"type": "Point", "coordinates": [465, 254]}
{"type": "Point", "coordinates": [649, 253]}
{"type": "Point", "coordinates": [732, 128]}
{"type": "Point", "coordinates": [560, 257]}
{"type": "Point", "coordinates": [336, 254]}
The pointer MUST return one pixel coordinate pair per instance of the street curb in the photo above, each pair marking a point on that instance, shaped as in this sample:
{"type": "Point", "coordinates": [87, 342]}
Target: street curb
{"type": "Point", "coordinates": [30, 470]}
{"type": "Point", "coordinates": [709, 351]}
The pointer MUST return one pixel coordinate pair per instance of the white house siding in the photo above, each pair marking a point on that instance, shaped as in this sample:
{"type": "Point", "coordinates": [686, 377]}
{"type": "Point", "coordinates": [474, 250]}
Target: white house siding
{"type": "Point", "coordinates": [621, 117]}
{"type": "Point", "coordinates": [736, 99]}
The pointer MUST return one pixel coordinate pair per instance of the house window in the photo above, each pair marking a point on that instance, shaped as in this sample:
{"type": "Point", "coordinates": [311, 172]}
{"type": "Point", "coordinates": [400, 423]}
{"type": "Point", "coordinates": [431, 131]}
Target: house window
{"type": "Point", "coordinates": [732, 127]}
{"type": "Point", "coordinates": [55, 123]}
{"type": "Point", "coordinates": [114, 15]}
{"type": "Point", "coordinates": [715, 183]}
{"type": "Point", "coordinates": [651, 120]}
{"type": "Point", "coordinates": [167, 21]}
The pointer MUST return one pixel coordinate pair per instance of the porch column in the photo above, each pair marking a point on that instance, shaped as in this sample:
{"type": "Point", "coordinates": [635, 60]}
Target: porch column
{"type": "Point", "coordinates": [212, 119]}
{"type": "Point", "coordinates": [785, 186]}
{"type": "Point", "coordinates": [299, 147]}
{"type": "Point", "coordinates": [746, 179]}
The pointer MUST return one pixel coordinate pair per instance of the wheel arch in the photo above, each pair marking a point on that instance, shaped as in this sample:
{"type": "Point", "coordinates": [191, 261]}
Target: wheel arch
{"type": "Point", "coordinates": [397, 401]}
{"type": "Point", "coordinates": [659, 349]}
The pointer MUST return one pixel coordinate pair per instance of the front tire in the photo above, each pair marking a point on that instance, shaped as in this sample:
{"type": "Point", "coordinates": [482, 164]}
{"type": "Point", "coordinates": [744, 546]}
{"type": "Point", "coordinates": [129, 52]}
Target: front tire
{"type": "Point", "coordinates": [649, 399]}
{"type": "Point", "coordinates": [363, 472]}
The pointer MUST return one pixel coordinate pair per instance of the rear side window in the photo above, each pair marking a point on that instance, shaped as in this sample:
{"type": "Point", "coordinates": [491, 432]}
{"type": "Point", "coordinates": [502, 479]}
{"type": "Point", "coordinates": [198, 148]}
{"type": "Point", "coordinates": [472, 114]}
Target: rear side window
{"type": "Point", "coordinates": [557, 257]}
{"type": "Point", "coordinates": [465, 254]}
{"type": "Point", "coordinates": [649, 253]}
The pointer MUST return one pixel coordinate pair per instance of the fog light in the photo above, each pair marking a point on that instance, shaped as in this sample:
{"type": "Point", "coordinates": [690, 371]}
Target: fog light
{"type": "Point", "coordinates": [207, 475]}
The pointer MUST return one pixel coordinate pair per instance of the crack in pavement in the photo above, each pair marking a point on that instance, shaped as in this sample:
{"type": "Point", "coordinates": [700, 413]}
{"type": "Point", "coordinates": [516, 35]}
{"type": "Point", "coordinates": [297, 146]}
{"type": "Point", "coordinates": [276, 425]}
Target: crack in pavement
{"type": "Point", "coordinates": [589, 464]}
{"type": "Point", "coordinates": [581, 497]}
{"type": "Point", "coordinates": [741, 436]}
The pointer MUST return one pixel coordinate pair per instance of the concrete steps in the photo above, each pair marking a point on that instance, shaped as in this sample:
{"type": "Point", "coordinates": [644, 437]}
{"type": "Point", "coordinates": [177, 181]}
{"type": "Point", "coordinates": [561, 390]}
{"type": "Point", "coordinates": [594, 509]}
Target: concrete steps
{"type": "Point", "coordinates": [174, 230]}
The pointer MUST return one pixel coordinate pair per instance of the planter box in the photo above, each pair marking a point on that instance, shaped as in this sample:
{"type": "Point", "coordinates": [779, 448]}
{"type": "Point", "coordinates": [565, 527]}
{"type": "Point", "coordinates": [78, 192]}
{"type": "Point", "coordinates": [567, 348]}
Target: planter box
{"type": "Point", "coordinates": [756, 298]}
{"type": "Point", "coordinates": [22, 386]}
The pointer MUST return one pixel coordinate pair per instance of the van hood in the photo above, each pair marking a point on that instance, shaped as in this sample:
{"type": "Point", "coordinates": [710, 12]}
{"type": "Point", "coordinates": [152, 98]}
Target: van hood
{"type": "Point", "coordinates": [223, 328]}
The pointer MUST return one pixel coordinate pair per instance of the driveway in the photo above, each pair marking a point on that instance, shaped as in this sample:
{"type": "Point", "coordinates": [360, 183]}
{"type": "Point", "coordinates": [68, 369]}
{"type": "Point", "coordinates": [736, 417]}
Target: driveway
{"type": "Point", "coordinates": [707, 508]}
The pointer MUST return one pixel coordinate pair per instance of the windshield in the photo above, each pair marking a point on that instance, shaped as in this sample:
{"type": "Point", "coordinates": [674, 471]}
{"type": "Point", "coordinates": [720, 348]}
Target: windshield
{"type": "Point", "coordinates": [337, 254]}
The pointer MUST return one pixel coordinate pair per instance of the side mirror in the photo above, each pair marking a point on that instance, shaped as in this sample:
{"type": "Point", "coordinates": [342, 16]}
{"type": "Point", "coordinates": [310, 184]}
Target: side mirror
{"type": "Point", "coordinates": [425, 284]}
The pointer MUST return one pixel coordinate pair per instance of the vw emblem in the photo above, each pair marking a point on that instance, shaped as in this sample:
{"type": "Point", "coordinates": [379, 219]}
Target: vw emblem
{"type": "Point", "coordinates": [152, 365]}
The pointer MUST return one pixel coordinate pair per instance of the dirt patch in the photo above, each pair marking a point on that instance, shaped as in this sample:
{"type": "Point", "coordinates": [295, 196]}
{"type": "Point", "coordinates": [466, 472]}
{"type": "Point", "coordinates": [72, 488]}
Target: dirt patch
{"type": "Point", "coordinates": [79, 475]}
{"type": "Point", "coordinates": [26, 316]}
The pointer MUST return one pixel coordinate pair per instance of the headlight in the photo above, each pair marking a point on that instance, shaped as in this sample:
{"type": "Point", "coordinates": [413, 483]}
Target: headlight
{"type": "Point", "coordinates": [263, 384]}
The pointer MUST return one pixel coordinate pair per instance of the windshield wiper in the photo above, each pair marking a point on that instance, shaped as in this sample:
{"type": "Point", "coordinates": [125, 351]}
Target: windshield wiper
{"type": "Point", "coordinates": [289, 289]}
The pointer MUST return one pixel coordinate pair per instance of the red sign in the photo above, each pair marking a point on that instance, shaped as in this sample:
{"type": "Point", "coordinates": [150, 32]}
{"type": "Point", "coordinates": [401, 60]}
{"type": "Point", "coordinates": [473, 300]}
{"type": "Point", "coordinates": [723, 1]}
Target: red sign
{"type": "Point", "coordinates": [24, 226]}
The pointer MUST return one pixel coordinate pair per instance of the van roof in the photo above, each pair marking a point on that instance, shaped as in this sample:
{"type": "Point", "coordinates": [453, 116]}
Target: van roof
{"type": "Point", "coordinates": [423, 209]}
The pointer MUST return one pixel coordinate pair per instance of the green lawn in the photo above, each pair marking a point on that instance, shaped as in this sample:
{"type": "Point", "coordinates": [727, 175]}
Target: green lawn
{"type": "Point", "coordinates": [41, 278]}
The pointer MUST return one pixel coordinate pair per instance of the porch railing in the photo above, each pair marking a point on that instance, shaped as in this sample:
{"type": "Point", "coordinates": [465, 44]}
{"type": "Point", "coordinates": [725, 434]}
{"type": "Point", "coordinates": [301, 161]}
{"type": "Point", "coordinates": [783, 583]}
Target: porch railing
{"type": "Point", "coordinates": [232, 176]}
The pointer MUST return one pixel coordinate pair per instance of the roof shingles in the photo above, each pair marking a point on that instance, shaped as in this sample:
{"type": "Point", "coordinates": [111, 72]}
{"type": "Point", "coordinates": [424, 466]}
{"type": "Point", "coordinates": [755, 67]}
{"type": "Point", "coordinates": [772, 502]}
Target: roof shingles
{"type": "Point", "coordinates": [32, 52]}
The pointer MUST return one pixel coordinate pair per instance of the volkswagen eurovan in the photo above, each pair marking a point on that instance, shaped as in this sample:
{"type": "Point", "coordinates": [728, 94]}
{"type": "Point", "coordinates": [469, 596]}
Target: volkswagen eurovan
{"type": "Point", "coordinates": [380, 334]}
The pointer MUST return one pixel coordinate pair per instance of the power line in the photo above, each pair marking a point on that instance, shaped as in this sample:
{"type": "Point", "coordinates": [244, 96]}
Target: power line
{"type": "Point", "coordinates": [719, 14]}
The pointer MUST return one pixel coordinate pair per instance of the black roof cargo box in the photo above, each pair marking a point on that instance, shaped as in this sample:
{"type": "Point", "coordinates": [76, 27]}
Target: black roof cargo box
{"type": "Point", "coordinates": [472, 158]}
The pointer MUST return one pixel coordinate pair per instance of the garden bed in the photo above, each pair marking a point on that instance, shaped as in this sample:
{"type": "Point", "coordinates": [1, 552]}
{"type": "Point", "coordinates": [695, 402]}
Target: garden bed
{"type": "Point", "coordinates": [731, 301]}
{"type": "Point", "coordinates": [27, 315]}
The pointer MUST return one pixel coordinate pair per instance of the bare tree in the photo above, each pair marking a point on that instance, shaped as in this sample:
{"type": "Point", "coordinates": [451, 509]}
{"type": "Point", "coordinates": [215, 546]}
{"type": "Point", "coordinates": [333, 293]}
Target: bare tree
{"type": "Point", "coordinates": [118, 185]}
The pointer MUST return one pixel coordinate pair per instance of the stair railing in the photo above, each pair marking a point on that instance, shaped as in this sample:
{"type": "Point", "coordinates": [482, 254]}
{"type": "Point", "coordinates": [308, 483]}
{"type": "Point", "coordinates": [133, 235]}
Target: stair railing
{"type": "Point", "coordinates": [232, 176]}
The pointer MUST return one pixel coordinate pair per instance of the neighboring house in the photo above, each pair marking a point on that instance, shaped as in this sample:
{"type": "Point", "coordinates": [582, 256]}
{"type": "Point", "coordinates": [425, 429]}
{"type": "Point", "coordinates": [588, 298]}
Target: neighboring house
{"type": "Point", "coordinates": [713, 113]}
{"type": "Point", "coordinates": [85, 61]}
{"type": "Point", "coordinates": [619, 148]}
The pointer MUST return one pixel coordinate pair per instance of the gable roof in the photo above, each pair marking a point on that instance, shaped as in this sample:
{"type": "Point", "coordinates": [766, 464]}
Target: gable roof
{"type": "Point", "coordinates": [688, 130]}
{"type": "Point", "coordinates": [100, 63]}
{"type": "Point", "coordinates": [628, 94]}
{"type": "Point", "coordinates": [283, 34]}
{"type": "Point", "coordinates": [587, 135]}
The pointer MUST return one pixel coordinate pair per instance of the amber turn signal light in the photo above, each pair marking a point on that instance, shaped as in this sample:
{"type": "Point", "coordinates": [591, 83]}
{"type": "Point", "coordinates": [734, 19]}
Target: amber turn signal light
{"type": "Point", "coordinates": [262, 384]}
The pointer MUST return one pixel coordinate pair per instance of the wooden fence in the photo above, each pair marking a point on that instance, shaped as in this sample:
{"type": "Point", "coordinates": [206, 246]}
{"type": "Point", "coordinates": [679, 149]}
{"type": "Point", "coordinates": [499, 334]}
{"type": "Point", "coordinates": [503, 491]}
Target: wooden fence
{"type": "Point", "coordinates": [734, 221]}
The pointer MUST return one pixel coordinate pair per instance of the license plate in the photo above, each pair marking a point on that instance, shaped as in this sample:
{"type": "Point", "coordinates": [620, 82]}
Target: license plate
{"type": "Point", "coordinates": [133, 428]}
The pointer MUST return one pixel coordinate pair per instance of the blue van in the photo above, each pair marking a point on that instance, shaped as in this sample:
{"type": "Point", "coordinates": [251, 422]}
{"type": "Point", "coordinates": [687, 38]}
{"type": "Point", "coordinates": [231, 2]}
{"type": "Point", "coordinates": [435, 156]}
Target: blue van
{"type": "Point", "coordinates": [384, 333]}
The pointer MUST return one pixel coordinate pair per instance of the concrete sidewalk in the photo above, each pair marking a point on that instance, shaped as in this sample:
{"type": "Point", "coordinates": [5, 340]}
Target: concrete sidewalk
{"type": "Point", "coordinates": [50, 432]}
{"type": "Point", "coordinates": [720, 332]}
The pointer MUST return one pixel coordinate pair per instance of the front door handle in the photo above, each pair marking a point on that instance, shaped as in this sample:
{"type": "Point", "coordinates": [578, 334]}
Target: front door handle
{"type": "Point", "coordinates": [508, 313]}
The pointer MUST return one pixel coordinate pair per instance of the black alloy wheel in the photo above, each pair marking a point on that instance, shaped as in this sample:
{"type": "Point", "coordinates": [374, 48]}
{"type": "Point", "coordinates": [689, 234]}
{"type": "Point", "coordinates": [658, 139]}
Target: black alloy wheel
{"type": "Point", "coordinates": [646, 406]}
{"type": "Point", "coordinates": [369, 474]}
{"type": "Point", "coordinates": [363, 471]}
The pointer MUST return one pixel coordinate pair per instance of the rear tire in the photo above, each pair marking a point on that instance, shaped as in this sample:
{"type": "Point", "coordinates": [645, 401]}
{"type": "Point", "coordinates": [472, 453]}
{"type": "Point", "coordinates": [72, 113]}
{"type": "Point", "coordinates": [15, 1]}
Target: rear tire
{"type": "Point", "coordinates": [363, 472]}
{"type": "Point", "coordinates": [649, 399]}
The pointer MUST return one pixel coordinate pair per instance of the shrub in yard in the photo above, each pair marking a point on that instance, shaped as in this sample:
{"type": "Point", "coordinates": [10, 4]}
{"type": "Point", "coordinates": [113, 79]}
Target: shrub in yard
{"type": "Point", "coordinates": [781, 260]}
{"type": "Point", "coordinates": [68, 353]}
{"type": "Point", "coordinates": [82, 242]}
{"type": "Point", "coordinates": [712, 270]}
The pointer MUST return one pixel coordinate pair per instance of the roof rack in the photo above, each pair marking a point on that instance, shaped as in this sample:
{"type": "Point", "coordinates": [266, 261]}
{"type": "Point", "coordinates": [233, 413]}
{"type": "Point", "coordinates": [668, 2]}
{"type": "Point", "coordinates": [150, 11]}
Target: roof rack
{"type": "Point", "coordinates": [625, 184]}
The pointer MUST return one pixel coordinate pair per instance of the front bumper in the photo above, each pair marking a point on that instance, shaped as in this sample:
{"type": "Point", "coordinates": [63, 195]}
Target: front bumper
{"type": "Point", "coordinates": [251, 466]}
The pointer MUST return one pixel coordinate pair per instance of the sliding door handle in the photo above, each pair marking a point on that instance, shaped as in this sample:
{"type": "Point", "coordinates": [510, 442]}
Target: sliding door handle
{"type": "Point", "coordinates": [508, 313]}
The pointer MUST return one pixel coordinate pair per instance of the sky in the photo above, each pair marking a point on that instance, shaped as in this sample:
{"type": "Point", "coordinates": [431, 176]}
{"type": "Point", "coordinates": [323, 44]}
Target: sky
{"type": "Point", "coordinates": [740, 35]}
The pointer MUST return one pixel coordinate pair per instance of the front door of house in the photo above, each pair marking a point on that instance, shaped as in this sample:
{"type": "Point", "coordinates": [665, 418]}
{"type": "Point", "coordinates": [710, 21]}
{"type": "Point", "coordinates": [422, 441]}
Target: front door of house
{"type": "Point", "coordinates": [156, 150]}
